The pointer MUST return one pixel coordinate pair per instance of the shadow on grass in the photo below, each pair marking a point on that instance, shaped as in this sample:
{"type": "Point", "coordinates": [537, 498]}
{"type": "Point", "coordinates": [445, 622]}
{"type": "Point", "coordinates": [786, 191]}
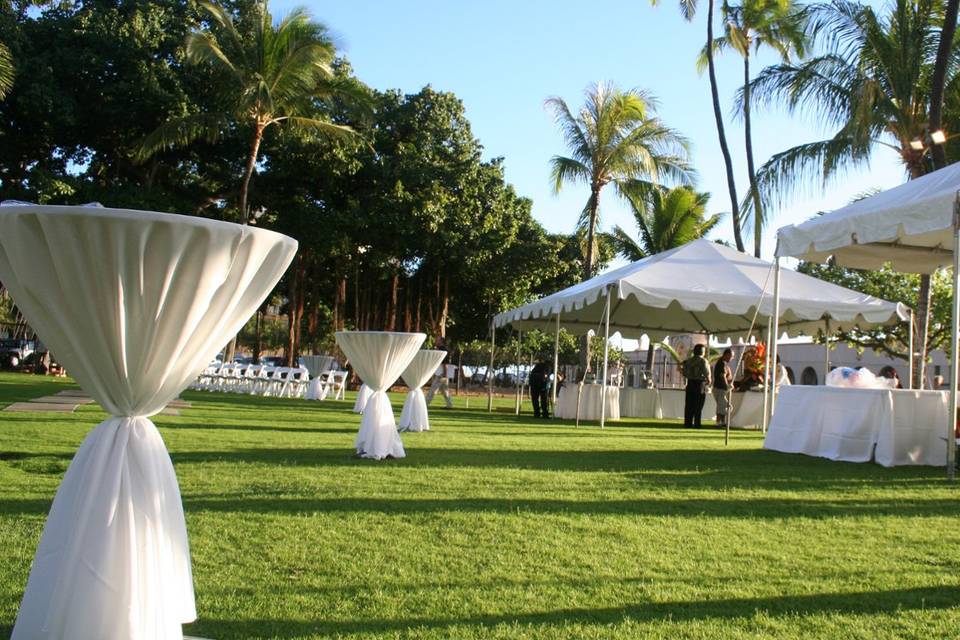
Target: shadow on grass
{"type": "Point", "coordinates": [860, 603]}
{"type": "Point", "coordinates": [760, 508]}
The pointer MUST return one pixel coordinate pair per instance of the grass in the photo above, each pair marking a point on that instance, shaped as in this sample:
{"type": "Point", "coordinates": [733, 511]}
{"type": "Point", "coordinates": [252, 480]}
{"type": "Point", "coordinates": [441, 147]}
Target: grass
{"type": "Point", "coordinates": [502, 527]}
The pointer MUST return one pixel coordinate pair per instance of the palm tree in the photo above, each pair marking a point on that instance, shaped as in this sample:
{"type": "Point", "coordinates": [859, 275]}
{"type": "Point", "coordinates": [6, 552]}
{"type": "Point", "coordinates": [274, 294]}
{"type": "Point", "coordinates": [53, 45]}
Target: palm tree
{"type": "Point", "coordinates": [873, 84]}
{"type": "Point", "coordinates": [776, 24]}
{"type": "Point", "coordinates": [688, 8]}
{"type": "Point", "coordinates": [277, 74]}
{"type": "Point", "coordinates": [944, 51]}
{"type": "Point", "coordinates": [614, 139]}
{"type": "Point", "coordinates": [6, 71]}
{"type": "Point", "coordinates": [666, 219]}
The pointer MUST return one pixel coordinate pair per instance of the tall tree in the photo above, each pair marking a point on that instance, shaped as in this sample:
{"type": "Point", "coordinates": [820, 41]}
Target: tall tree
{"type": "Point", "coordinates": [778, 25]}
{"type": "Point", "coordinates": [872, 83]}
{"type": "Point", "coordinates": [666, 219]}
{"type": "Point", "coordinates": [688, 8]}
{"type": "Point", "coordinates": [277, 74]}
{"type": "Point", "coordinates": [938, 81]}
{"type": "Point", "coordinates": [614, 139]}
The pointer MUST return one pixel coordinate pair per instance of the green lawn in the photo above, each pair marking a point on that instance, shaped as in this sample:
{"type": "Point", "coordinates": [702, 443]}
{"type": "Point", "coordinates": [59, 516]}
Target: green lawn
{"type": "Point", "coordinates": [499, 527]}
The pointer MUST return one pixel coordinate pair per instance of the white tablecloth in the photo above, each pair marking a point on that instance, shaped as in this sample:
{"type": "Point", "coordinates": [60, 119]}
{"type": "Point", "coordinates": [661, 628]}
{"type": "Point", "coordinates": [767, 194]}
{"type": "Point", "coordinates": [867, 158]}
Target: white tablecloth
{"type": "Point", "coordinates": [589, 402]}
{"type": "Point", "coordinates": [747, 409]}
{"type": "Point", "coordinates": [317, 364]}
{"type": "Point", "coordinates": [640, 403]}
{"type": "Point", "coordinates": [672, 401]}
{"type": "Point", "coordinates": [894, 427]}
{"type": "Point", "coordinates": [414, 416]}
{"type": "Point", "coordinates": [134, 304]}
{"type": "Point", "coordinates": [379, 357]}
{"type": "Point", "coordinates": [363, 394]}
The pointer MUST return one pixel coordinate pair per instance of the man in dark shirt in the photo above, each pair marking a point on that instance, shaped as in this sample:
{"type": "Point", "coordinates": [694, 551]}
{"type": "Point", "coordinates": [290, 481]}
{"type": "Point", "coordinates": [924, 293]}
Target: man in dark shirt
{"type": "Point", "coordinates": [722, 381]}
{"type": "Point", "coordinates": [696, 370]}
{"type": "Point", "coordinates": [538, 391]}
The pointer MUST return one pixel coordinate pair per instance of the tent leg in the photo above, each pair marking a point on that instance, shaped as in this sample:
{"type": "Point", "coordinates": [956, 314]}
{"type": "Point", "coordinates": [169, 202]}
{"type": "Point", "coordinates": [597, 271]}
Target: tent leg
{"type": "Point", "coordinates": [775, 333]}
{"type": "Point", "coordinates": [766, 376]}
{"type": "Point", "coordinates": [826, 349]}
{"type": "Point", "coordinates": [556, 363]}
{"type": "Point", "coordinates": [493, 344]}
{"type": "Point", "coordinates": [519, 384]}
{"type": "Point", "coordinates": [954, 344]}
{"type": "Point", "coordinates": [606, 357]}
{"type": "Point", "coordinates": [910, 350]}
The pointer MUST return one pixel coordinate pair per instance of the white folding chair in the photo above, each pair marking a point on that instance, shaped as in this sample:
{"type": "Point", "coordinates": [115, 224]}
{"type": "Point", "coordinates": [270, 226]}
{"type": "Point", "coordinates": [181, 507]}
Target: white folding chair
{"type": "Point", "coordinates": [338, 383]}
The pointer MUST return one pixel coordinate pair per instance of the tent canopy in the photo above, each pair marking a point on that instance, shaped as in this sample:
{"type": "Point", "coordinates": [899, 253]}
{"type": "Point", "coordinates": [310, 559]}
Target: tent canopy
{"type": "Point", "coordinates": [701, 287]}
{"type": "Point", "coordinates": [909, 226]}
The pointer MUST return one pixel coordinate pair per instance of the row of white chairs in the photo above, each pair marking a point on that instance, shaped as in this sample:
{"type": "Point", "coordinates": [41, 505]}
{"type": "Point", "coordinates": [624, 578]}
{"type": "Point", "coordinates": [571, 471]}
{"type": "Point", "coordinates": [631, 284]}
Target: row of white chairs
{"type": "Point", "coordinates": [255, 379]}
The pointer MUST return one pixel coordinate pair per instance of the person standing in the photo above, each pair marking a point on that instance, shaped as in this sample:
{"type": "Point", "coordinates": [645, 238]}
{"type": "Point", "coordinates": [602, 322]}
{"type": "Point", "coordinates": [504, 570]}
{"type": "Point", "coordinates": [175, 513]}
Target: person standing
{"type": "Point", "coordinates": [538, 391]}
{"type": "Point", "coordinates": [696, 370]}
{"type": "Point", "coordinates": [722, 382]}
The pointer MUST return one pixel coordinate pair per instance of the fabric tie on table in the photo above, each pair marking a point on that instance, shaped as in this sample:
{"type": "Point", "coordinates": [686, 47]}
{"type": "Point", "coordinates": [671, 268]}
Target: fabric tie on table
{"type": "Point", "coordinates": [134, 305]}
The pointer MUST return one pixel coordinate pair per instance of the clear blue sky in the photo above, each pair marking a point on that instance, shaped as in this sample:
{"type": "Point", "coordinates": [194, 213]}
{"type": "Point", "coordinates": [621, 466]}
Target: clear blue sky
{"type": "Point", "coordinates": [504, 57]}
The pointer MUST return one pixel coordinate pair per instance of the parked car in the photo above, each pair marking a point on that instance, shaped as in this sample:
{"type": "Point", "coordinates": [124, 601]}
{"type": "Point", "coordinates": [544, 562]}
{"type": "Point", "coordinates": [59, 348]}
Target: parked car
{"type": "Point", "coordinates": [14, 351]}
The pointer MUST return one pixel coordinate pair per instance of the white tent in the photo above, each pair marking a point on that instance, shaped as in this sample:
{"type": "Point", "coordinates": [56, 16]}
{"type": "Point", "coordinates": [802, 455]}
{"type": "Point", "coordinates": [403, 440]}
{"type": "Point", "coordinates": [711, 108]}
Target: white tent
{"type": "Point", "coordinates": [913, 227]}
{"type": "Point", "coordinates": [701, 287]}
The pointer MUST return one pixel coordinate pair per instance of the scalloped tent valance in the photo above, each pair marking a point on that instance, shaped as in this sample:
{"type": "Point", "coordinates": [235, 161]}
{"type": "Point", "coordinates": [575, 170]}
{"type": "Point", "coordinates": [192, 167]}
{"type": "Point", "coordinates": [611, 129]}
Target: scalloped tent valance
{"type": "Point", "coordinates": [702, 287]}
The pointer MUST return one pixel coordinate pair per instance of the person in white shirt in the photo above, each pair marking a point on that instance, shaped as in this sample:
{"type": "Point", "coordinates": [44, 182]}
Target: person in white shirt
{"type": "Point", "coordinates": [441, 383]}
{"type": "Point", "coordinates": [783, 378]}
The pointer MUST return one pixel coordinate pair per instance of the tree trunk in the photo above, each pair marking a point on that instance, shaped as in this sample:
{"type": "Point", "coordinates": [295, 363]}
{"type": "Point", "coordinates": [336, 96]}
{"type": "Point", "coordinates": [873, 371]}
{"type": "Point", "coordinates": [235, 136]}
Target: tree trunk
{"type": "Point", "coordinates": [920, 334]}
{"type": "Point", "coordinates": [292, 285]}
{"type": "Point", "coordinates": [258, 341]}
{"type": "Point", "coordinates": [751, 171]}
{"type": "Point", "coordinates": [445, 307]}
{"type": "Point", "coordinates": [391, 320]}
{"type": "Point", "coordinates": [251, 165]}
{"type": "Point", "coordinates": [939, 78]}
{"type": "Point", "coordinates": [593, 207]}
{"type": "Point", "coordinates": [718, 116]}
{"type": "Point", "coordinates": [416, 322]}
{"type": "Point", "coordinates": [244, 218]}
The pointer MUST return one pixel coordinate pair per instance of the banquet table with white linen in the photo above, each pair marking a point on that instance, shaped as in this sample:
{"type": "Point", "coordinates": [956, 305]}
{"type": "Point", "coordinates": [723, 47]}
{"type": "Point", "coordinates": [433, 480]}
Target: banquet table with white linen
{"type": "Point", "coordinates": [566, 406]}
{"type": "Point", "coordinates": [135, 304]}
{"type": "Point", "coordinates": [379, 357]}
{"type": "Point", "coordinates": [672, 402]}
{"type": "Point", "coordinates": [639, 403]}
{"type": "Point", "coordinates": [746, 409]}
{"type": "Point", "coordinates": [892, 427]}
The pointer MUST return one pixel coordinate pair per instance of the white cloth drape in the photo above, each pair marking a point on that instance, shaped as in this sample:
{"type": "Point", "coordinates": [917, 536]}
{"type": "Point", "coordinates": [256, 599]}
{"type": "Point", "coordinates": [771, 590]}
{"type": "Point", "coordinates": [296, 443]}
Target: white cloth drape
{"type": "Point", "coordinates": [640, 403]}
{"type": "Point", "coordinates": [363, 396]}
{"type": "Point", "coordinates": [892, 426]}
{"type": "Point", "coordinates": [566, 407]}
{"type": "Point", "coordinates": [134, 304]}
{"type": "Point", "coordinates": [414, 416]}
{"type": "Point", "coordinates": [379, 357]}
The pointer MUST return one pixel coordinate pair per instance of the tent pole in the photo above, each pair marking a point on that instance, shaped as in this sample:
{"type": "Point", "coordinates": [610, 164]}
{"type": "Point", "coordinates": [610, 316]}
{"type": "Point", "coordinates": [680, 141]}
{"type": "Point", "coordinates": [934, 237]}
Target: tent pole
{"type": "Point", "coordinates": [910, 351]}
{"type": "Point", "coordinates": [766, 376]}
{"type": "Point", "coordinates": [954, 344]}
{"type": "Point", "coordinates": [774, 336]}
{"type": "Point", "coordinates": [556, 362]}
{"type": "Point", "coordinates": [606, 357]}
{"type": "Point", "coordinates": [493, 344]}
{"type": "Point", "coordinates": [519, 384]}
{"type": "Point", "coordinates": [826, 349]}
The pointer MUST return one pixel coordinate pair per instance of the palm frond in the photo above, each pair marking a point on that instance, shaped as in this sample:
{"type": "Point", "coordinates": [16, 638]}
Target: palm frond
{"type": "Point", "coordinates": [6, 70]}
{"type": "Point", "coordinates": [567, 170]}
{"type": "Point", "coordinates": [182, 131]}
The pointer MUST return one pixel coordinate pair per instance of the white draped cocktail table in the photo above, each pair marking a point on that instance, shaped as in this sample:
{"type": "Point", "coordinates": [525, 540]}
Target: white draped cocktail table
{"type": "Point", "coordinates": [379, 357]}
{"type": "Point", "coordinates": [414, 416]}
{"type": "Point", "coordinates": [134, 304]}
